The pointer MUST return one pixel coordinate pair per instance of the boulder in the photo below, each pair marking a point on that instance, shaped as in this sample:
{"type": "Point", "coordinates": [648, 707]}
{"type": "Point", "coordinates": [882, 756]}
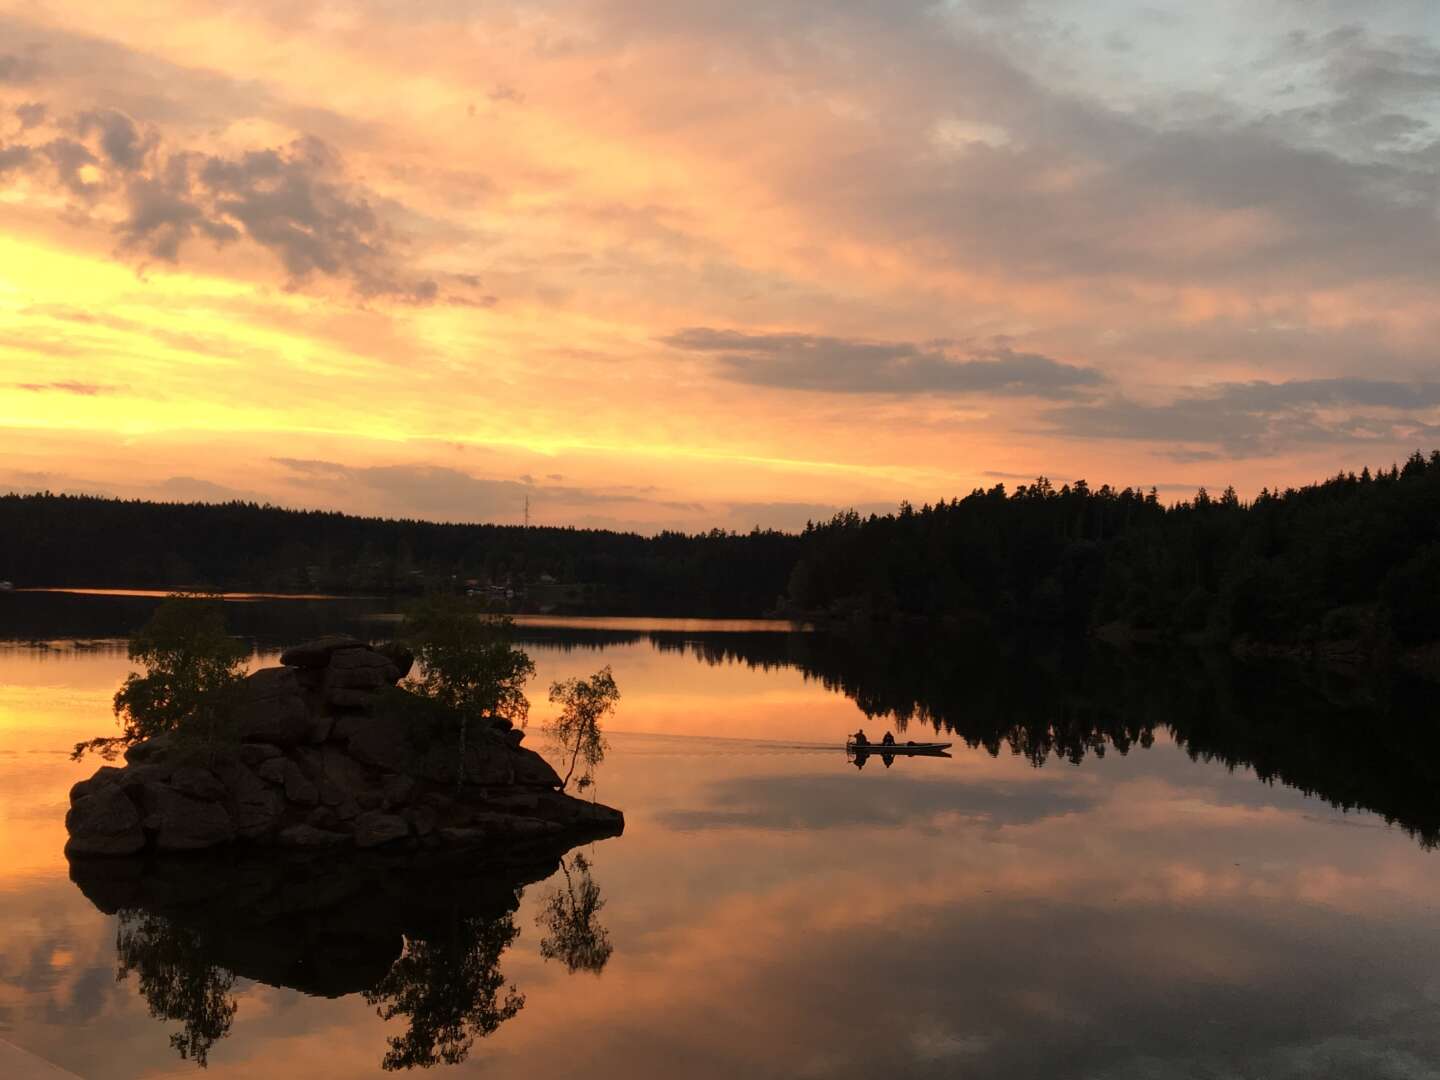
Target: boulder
{"type": "Point", "coordinates": [383, 741]}
{"type": "Point", "coordinates": [104, 822]}
{"type": "Point", "coordinates": [375, 828]}
{"type": "Point", "coordinates": [341, 697]}
{"type": "Point", "coordinates": [254, 753]}
{"type": "Point", "coordinates": [354, 675]}
{"type": "Point", "coordinates": [531, 827]}
{"type": "Point", "coordinates": [422, 819]}
{"type": "Point", "coordinates": [197, 783]}
{"type": "Point", "coordinates": [151, 751]}
{"type": "Point", "coordinates": [516, 801]}
{"type": "Point", "coordinates": [316, 654]}
{"type": "Point", "coordinates": [339, 776]}
{"type": "Point", "coordinates": [323, 817]}
{"type": "Point", "coordinates": [255, 807]}
{"type": "Point", "coordinates": [272, 709]}
{"type": "Point", "coordinates": [331, 794]}
{"type": "Point", "coordinates": [273, 771]}
{"type": "Point", "coordinates": [398, 789]}
{"type": "Point", "coordinates": [181, 823]}
{"type": "Point", "coordinates": [105, 776]}
{"type": "Point", "coordinates": [285, 773]}
{"type": "Point", "coordinates": [308, 836]}
{"type": "Point", "coordinates": [589, 815]}
{"type": "Point", "coordinates": [137, 776]}
{"type": "Point", "coordinates": [532, 770]}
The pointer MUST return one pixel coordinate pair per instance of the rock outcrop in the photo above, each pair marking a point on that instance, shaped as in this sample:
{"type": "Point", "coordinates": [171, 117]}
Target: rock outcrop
{"type": "Point", "coordinates": [330, 753]}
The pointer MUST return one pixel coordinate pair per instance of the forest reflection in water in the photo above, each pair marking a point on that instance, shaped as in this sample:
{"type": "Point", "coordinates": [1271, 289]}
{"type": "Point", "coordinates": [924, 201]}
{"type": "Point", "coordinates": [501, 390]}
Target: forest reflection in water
{"type": "Point", "coordinates": [421, 937]}
{"type": "Point", "coordinates": [1359, 740]}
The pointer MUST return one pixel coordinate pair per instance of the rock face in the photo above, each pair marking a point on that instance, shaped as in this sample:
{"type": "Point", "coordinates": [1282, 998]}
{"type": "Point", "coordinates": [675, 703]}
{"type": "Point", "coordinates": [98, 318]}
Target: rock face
{"type": "Point", "coordinates": [331, 754]}
{"type": "Point", "coordinates": [104, 822]}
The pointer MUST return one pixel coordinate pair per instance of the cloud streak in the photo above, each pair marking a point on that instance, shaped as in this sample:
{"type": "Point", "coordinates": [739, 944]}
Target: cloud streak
{"type": "Point", "coordinates": [854, 366]}
{"type": "Point", "coordinates": [80, 389]}
{"type": "Point", "coordinates": [1260, 417]}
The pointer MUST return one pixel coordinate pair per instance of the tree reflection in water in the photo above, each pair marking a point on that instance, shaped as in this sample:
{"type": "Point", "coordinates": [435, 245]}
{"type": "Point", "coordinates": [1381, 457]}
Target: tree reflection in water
{"type": "Point", "coordinates": [421, 937]}
{"type": "Point", "coordinates": [449, 986]}
{"type": "Point", "coordinates": [177, 981]}
{"type": "Point", "coordinates": [568, 917]}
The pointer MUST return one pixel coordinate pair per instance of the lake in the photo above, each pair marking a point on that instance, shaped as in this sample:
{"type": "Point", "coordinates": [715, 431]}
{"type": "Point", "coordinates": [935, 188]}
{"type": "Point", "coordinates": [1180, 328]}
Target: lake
{"type": "Point", "coordinates": [1125, 869]}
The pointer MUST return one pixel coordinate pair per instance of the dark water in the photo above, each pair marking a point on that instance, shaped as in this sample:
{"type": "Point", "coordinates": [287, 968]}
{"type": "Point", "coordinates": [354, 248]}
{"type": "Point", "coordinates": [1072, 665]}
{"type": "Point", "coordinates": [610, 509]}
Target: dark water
{"type": "Point", "coordinates": [1098, 883]}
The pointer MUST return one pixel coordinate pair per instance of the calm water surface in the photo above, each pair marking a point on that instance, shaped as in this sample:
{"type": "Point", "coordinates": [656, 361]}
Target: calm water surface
{"type": "Point", "coordinates": [772, 911]}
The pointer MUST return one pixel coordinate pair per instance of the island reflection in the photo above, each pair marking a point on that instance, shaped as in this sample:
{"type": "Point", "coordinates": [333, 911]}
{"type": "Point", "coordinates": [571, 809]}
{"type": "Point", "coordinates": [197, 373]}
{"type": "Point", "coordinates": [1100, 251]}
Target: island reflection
{"type": "Point", "coordinates": [420, 936]}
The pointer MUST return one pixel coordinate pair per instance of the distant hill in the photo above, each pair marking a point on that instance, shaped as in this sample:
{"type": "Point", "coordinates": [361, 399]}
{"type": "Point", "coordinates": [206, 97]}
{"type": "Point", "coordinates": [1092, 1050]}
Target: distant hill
{"type": "Point", "coordinates": [67, 540]}
{"type": "Point", "coordinates": [1343, 568]}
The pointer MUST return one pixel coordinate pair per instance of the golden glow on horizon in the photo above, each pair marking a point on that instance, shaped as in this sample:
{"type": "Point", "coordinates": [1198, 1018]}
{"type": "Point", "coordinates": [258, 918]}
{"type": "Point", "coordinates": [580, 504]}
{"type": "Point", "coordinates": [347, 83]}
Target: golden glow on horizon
{"type": "Point", "coordinates": [577, 189]}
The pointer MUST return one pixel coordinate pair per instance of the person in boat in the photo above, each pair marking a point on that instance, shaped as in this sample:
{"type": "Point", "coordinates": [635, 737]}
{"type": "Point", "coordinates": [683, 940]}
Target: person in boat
{"type": "Point", "coordinates": [859, 738]}
{"type": "Point", "coordinates": [888, 740]}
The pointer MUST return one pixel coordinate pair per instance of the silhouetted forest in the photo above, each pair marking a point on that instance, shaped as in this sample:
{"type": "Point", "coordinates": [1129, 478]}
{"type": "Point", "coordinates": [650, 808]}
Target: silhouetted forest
{"type": "Point", "coordinates": [1350, 559]}
{"type": "Point", "coordinates": [83, 541]}
{"type": "Point", "coordinates": [1353, 561]}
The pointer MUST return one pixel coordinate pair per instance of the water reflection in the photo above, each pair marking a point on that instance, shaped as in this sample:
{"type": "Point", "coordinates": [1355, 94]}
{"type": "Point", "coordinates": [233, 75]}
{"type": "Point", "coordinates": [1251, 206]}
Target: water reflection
{"type": "Point", "coordinates": [177, 980]}
{"type": "Point", "coordinates": [1359, 740]}
{"type": "Point", "coordinates": [569, 917]}
{"type": "Point", "coordinates": [448, 987]}
{"type": "Point", "coordinates": [421, 937]}
{"type": "Point", "coordinates": [1141, 915]}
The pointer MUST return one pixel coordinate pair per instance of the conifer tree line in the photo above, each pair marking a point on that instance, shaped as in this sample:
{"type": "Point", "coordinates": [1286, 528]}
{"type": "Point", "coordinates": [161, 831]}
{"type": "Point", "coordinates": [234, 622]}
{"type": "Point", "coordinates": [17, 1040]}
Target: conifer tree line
{"type": "Point", "coordinates": [1352, 557]}
{"type": "Point", "coordinates": [1355, 556]}
{"type": "Point", "coordinates": [86, 541]}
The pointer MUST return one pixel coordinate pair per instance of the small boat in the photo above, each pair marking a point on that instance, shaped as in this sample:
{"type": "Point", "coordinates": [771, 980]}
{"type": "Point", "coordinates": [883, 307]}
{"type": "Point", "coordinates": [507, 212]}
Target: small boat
{"type": "Point", "coordinates": [897, 748]}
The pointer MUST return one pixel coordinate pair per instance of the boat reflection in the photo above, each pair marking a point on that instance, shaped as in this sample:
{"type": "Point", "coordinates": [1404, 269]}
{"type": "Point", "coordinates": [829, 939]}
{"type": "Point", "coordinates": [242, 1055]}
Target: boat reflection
{"type": "Point", "coordinates": [860, 753]}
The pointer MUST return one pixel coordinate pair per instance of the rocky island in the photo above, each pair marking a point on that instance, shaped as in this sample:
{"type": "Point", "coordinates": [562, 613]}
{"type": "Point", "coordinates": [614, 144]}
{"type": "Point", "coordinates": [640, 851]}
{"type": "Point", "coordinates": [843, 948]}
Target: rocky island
{"type": "Point", "coordinates": [328, 751]}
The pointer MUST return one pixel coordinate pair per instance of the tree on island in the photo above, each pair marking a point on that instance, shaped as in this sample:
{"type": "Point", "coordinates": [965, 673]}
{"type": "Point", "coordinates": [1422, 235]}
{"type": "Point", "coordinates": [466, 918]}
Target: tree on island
{"type": "Point", "coordinates": [576, 730]}
{"type": "Point", "coordinates": [193, 671]}
{"type": "Point", "coordinates": [467, 666]}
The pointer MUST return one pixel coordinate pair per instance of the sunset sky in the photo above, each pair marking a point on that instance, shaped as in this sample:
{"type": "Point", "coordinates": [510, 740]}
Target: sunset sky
{"type": "Point", "coordinates": [657, 264]}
